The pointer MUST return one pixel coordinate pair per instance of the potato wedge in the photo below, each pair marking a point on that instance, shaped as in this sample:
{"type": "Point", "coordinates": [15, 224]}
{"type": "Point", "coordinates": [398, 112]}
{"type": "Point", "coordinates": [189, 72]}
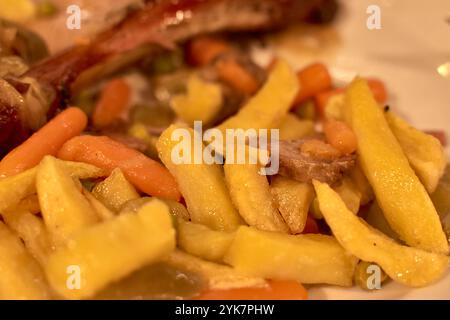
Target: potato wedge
{"type": "Point", "coordinates": [202, 102]}
{"type": "Point", "coordinates": [115, 191]}
{"type": "Point", "coordinates": [21, 278]}
{"type": "Point", "coordinates": [409, 266]}
{"type": "Point", "coordinates": [292, 127]}
{"type": "Point", "coordinates": [102, 211]}
{"type": "Point", "coordinates": [218, 276]}
{"type": "Point", "coordinates": [424, 152]}
{"type": "Point", "coordinates": [15, 188]}
{"type": "Point", "coordinates": [270, 105]}
{"type": "Point", "coordinates": [203, 242]}
{"type": "Point", "coordinates": [350, 194]}
{"type": "Point", "coordinates": [307, 258]}
{"type": "Point", "coordinates": [64, 208]}
{"type": "Point", "coordinates": [30, 204]}
{"type": "Point", "coordinates": [250, 193]}
{"type": "Point", "coordinates": [111, 250]}
{"type": "Point", "coordinates": [31, 229]}
{"type": "Point", "coordinates": [400, 194]}
{"type": "Point", "coordinates": [202, 186]}
{"type": "Point", "coordinates": [176, 209]}
{"type": "Point", "coordinates": [293, 200]}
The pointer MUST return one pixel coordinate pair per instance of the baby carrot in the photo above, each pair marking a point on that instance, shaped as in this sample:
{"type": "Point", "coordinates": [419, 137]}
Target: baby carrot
{"type": "Point", "coordinates": [146, 174]}
{"type": "Point", "coordinates": [46, 141]}
{"type": "Point", "coordinates": [202, 50]}
{"type": "Point", "coordinates": [313, 79]}
{"type": "Point", "coordinates": [236, 76]}
{"type": "Point", "coordinates": [113, 101]}
{"type": "Point", "coordinates": [340, 136]}
{"type": "Point", "coordinates": [276, 290]}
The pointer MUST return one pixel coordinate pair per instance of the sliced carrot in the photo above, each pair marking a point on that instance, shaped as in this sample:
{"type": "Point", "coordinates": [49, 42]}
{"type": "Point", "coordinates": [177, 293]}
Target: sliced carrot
{"type": "Point", "coordinates": [146, 174]}
{"type": "Point", "coordinates": [237, 76]}
{"type": "Point", "coordinates": [313, 79]}
{"type": "Point", "coordinates": [276, 290]}
{"type": "Point", "coordinates": [340, 136]}
{"type": "Point", "coordinates": [204, 49]}
{"type": "Point", "coordinates": [311, 225]}
{"type": "Point", "coordinates": [113, 101]}
{"type": "Point", "coordinates": [46, 141]}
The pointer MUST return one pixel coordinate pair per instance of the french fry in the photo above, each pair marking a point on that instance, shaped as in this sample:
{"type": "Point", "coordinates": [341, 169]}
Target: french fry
{"type": "Point", "coordinates": [111, 250]}
{"type": "Point", "coordinates": [410, 266]}
{"type": "Point", "coordinates": [403, 199]}
{"type": "Point", "coordinates": [377, 220]}
{"type": "Point", "coordinates": [269, 106]}
{"type": "Point", "coordinates": [30, 204]}
{"type": "Point", "coordinates": [64, 208]}
{"type": "Point", "coordinates": [362, 184]}
{"type": "Point", "coordinates": [22, 278]}
{"type": "Point", "coordinates": [202, 102]}
{"type": "Point", "coordinates": [176, 209]}
{"type": "Point", "coordinates": [293, 200]}
{"type": "Point", "coordinates": [307, 258]}
{"type": "Point", "coordinates": [32, 231]}
{"type": "Point", "coordinates": [203, 242]}
{"type": "Point", "coordinates": [250, 193]}
{"type": "Point", "coordinates": [350, 194]}
{"type": "Point", "coordinates": [424, 152]}
{"type": "Point", "coordinates": [202, 186]}
{"type": "Point", "coordinates": [115, 191]}
{"type": "Point", "coordinates": [292, 127]}
{"type": "Point", "coordinates": [102, 211]}
{"type": "Point", "coordinates": [218, 276]}
{"type": "Point", "coordinates": [15, 188]}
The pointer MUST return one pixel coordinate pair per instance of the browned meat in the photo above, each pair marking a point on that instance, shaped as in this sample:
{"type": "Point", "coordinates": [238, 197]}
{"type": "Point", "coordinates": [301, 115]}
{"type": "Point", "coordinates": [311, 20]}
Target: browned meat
{"type": "Point", "coordinates": [305, 160]}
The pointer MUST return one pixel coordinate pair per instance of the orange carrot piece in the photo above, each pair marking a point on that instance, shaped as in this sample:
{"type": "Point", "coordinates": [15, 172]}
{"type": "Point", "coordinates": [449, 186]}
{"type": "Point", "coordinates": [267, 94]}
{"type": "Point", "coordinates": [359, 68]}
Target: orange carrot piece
{"type": "Point", "coordinates": [113, 101]}
{"type": "Point", "coordinates": [321, 99]}
{"type": "Point", "coordinates": [340, 136]}
{"type": "Point", "coordinates": [236, 76]}
{"type": "Point", "coordinates": [146, 174]}
{"type": "Point", "coordinates": [276, 290]}
{"type": "Point", "coordinates": [313, 79]}
{"type": "Point", "coordinates": [204, 49]}
{"type": "Point", "coordinates": [46, 141]}
{"type": "Point", "coordinates": [311, 226]}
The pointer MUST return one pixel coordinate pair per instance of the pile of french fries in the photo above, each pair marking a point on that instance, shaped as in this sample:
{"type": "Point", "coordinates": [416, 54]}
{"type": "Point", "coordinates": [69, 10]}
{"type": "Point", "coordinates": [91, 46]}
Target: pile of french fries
{"type": "Point", "coordinates": [238, 229]}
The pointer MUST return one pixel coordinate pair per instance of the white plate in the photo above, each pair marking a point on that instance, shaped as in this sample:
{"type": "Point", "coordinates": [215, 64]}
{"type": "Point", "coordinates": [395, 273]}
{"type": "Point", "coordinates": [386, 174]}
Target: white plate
{"type": "Point", "coordinates": [411, 54]}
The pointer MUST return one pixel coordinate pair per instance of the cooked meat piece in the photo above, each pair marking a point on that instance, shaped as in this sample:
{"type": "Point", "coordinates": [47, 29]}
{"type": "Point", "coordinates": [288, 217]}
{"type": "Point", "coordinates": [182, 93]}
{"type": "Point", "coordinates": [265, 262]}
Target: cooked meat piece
{"type": "Point", "coordinates": [308, 159]}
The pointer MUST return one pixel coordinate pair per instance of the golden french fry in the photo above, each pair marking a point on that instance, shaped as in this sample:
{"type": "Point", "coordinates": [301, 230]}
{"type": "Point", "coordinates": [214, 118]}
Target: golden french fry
{"type": "Point", "coordinates": [32, 231]}
{"type": "Point", "coordinates": [115, 191]}
{"type": "Point", "coordinates": [15, 188]}
{"type": "Point", "coordinates": [21, 278]}
{"type": "Point", "coordinates": [111, 250]}
{"type": "Point", "coordinates": [203, 242]}
{"type": "Point", "coordinates": [218, 276]}
{"type": "Point", "coordinates": [362, 184]}
{"type": "Point", "coordinates": [293, 199]}
{"type": "Point", "coordinates": [269, 106]}
{"type": "Point", "coordinates": [250, 193]}
{"type": "Point", "coordinates": [410, 266]}
{"type": "Point", "coordinates": [202, 102]}
{"type": "Point", "coordinates": [377, 220]}
{"type": "Point", "coordinates": [424, 152]}
{"type": "Point", "coordinates": [402, 197]}
{"type": "Point", "coordinates": [202, 186]}
{"type": "Point", "coordinates": [64, 208]}
{"type": "Point", "coordinates": [30, 204]}
{"type": "Point", "coordinates": [102, 211]}
{"type": "Point", "coordinates": [307, 258]}
{"type": "Point", "coordinates": [350, 194]}
{"type": "Point", "coordinates": [292, 127]}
